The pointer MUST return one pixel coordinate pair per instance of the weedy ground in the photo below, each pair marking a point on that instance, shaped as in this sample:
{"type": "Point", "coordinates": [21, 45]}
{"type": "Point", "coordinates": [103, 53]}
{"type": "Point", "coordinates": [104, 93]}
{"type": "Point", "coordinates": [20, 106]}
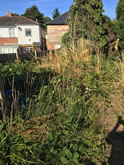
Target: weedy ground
{"type": "Point", "coordinates": [61, 108]}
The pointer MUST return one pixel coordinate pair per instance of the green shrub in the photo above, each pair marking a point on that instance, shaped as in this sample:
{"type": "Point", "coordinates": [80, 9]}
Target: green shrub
{"type": "Point", "coordinates": [66, 40]}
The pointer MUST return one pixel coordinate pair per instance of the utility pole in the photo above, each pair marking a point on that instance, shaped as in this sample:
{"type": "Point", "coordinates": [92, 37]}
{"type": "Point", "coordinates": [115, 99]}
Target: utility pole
{"type": "Point", "coordinates": [2, 99]}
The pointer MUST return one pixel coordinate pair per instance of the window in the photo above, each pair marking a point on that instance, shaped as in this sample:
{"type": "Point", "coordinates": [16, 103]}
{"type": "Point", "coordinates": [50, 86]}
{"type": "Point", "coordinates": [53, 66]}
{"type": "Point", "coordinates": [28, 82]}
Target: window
{"type": "Point", "coordinates": [27, 32]}
{"type": "Point", "coordinates": [8, 50]}
{"type": "Point", "coordinates": [57, 46]}
{"type": "Point", "coordinates": [0, 50]}
{"type": "Point", "coordinates": [12, 32]}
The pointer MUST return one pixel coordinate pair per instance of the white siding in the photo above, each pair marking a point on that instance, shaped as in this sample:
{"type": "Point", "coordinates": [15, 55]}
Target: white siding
{"type": "Point", "coordinates": [19, 31]}
{"type": "Point", "coordinates": [8, 49]}
{"type": "Point", "coordinates": [4, 31]}
{"type": "Point", "coordinates": [29, 40]}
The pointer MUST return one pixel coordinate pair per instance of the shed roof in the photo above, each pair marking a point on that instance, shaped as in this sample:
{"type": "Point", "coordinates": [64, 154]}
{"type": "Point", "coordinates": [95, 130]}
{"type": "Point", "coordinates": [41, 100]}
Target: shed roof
{"type": "Point", "coordinates": [60, 20]}
{"type": "Point", "coordinates": [16, 20]}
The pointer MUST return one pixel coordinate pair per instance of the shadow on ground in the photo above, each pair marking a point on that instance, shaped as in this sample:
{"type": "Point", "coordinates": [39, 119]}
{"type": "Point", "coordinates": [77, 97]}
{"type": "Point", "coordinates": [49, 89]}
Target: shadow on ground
{"type": "Point", "coordinates": [116, 139]}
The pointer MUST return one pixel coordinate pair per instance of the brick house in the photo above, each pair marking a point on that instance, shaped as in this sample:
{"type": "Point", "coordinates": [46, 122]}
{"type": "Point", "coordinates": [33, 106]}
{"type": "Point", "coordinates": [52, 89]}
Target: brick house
{"type": "Point", "coordinates": [17, 31]}
{"type": "Point", "coordinates": [55, 30]}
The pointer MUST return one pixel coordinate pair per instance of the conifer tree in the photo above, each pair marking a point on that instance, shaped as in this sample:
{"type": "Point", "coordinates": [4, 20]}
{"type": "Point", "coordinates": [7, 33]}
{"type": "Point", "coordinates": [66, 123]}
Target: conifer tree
{"type": "Point", "coordinates": [86, 21]}
{"type": "Point", "coordinates": [56, 13]}
{"type": "Point", "coordinates": [120, 22]}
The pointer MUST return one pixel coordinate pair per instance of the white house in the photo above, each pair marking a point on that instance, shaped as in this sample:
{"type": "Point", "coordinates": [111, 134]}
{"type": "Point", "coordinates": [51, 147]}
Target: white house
{"type": "Point", "coordinates": [17, 31]}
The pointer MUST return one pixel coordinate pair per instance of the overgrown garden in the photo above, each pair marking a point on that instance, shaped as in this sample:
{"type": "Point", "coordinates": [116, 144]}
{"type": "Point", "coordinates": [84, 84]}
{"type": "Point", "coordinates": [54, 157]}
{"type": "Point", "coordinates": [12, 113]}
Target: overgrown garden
{"type": "Point", "coordinates": [56, 105]}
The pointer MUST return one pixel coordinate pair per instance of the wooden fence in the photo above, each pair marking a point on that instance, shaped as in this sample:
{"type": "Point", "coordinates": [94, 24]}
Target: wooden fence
{"type": "Point", "coordinates": [7, 57]}
{"type": "Point", "coordinates": [22, 55]}
{"type": "Point", "coordinates": [11, 57]}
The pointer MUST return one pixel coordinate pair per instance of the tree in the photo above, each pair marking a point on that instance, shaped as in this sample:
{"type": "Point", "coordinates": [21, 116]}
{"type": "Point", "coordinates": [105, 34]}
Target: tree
{"type": "Point", "coordinates": [86, 21]}
{"type": "Point", "coordinates": [56, 13]}
{"type": "Point", "coordinates": [110, 33]}
{"type": "Point", "coordinates": [15, 14]}
{"type": "Point", "coordinates": [66, 40]}
{"type": "Point", "coordinates": [46, 20]}
{"type": "Point", "coordinates": [34, 14]}
{"type": "Point", "coordinates": [120, 22]}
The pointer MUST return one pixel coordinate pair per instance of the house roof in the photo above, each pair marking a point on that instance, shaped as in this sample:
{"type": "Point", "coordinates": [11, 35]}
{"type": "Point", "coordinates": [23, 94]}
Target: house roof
{"type": "Point", "coordinates": [16, 20]}
{"type": "Point", "coordinates": [60, 20]}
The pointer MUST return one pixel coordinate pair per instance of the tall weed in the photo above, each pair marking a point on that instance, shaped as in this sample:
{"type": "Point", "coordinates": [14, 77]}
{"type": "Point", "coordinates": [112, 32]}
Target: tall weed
{"type": "Point", "coordinates": [59, 121]}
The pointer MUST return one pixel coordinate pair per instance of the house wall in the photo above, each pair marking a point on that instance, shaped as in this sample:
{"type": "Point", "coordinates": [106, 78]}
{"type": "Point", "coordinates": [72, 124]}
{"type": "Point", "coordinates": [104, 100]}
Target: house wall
{"type": "Point", "coordinates": [43, 33]}
{"type": "Point", "coordinates": [4, 31]}
{"type": "Point", "coordinates": [54, 35]}
{"type": "Point", "coordinates": [8, 49]}
{"type": "Point", "coordinates": [29, 40]}
{"type": "Point", "coordinates": [8, 41]}
{"type": "Point", "coordinates": [20, 33]}
{"type": "Point", "coordinates": [9, 44]}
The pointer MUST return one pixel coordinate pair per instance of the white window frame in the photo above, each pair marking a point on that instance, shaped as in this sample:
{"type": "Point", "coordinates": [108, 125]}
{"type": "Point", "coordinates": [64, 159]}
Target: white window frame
{"type": "Point", "coordinates": [11, 32]}
{"type": "Point", "coordinates": [28, 30]}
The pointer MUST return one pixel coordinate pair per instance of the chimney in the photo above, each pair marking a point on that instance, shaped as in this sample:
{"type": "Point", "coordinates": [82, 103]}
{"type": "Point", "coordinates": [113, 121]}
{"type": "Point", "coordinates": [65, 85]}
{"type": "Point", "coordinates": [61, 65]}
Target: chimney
{"type": "Point", "coordinates": [37, 20]}
{"type": "Point", "coordinates": [8, 14]}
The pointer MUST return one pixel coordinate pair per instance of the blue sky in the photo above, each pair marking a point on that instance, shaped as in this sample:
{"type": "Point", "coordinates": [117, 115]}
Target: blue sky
{"type": "Point", "coordinates": [47, 6]}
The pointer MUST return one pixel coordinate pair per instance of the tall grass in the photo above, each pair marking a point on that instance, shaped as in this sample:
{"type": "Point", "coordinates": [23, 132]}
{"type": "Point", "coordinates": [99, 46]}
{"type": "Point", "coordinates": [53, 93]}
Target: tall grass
{"type": "Point", "coordinates": [60, 123]}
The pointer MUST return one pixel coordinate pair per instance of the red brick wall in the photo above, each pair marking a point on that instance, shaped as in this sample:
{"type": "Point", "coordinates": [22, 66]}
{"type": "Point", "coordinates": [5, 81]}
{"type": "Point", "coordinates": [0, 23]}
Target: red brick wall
{"type": "Point", "coordinates": [5, 41]}
{"type": "Point", "coordinates": [50, 46]}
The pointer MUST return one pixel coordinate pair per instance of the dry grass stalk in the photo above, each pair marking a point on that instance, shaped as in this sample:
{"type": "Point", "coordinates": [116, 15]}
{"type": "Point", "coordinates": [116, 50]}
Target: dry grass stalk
{"type": "Point", "coordinates": [122, 73]}
{"type": "Point", "coordinates": [65, 58]}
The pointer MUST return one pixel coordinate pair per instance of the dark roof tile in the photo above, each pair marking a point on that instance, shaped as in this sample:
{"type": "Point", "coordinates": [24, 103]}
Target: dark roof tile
{"type": "Point", "coordinates": [14, 20]}
{"type": "Point", "coordinates": [60, 20]}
